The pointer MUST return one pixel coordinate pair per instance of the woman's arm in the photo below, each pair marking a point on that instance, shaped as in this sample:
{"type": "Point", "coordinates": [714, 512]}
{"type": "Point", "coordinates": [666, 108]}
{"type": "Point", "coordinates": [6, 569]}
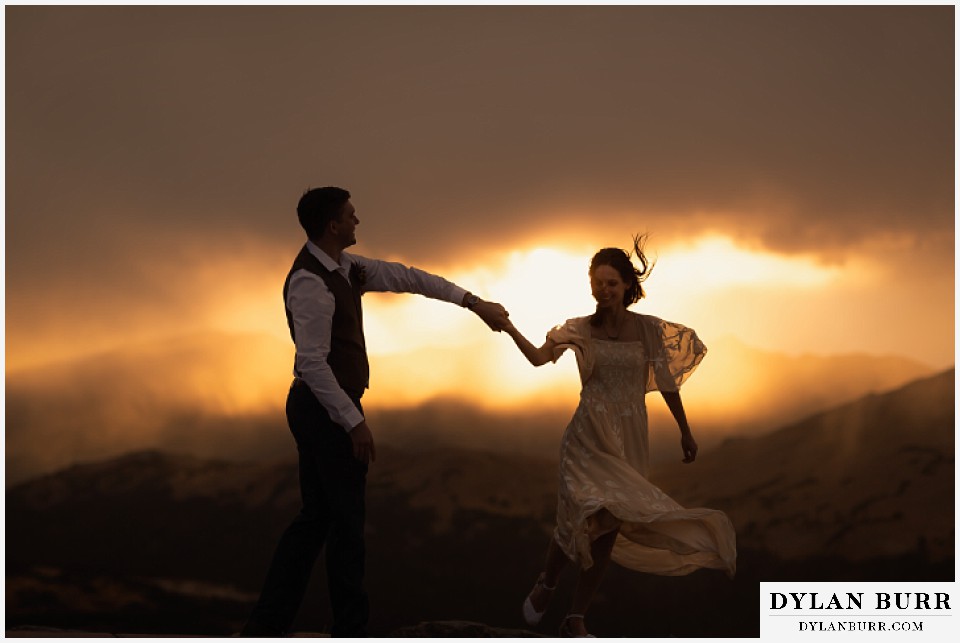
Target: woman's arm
{"type": "Point", "coordinates": [687, 443]}
{"type": "Point", "coordinates": [536, 356]}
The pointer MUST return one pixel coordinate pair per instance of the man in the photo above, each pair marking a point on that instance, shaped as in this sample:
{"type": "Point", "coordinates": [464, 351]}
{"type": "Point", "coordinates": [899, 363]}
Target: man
{"type": "Point", "coordinates": [322, 295]}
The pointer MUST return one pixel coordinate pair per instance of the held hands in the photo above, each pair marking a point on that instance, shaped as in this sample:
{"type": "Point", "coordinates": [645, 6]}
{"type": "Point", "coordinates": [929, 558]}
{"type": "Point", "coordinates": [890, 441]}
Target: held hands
{"type": "Point", "coordinates": [362, 440]}
{"type": "Point", "coordinates": [689, 446]}
{"type": "Point", "coordinates": [493, 315]}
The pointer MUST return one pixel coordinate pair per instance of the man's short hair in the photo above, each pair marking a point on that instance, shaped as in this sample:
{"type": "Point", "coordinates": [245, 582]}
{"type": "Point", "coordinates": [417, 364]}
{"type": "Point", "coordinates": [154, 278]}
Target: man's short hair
{"type": "Point", "coordinates": [318, 207]}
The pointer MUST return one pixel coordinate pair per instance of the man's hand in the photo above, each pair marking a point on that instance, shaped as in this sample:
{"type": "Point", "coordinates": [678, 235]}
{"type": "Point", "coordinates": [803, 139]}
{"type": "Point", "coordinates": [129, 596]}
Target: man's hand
{"type": "Point", "coordinates": [362, 439]}
{"type": "Point", "coordinates": [493, 315]}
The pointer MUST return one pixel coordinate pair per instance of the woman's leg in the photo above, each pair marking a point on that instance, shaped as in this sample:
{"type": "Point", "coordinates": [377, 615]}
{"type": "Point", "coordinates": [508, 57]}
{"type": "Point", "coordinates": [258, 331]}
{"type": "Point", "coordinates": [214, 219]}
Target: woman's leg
{"type": "Point", "coordinates": [555, 561]}
{"type": "Point", "coordinates": [554, 564]}
{"type": "Point", "coordinates": [589, 580]}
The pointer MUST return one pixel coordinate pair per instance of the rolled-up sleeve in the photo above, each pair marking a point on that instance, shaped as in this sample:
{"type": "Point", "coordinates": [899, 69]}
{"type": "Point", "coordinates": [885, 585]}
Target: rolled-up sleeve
{"type": "Point", "coordinates": [312, 306]}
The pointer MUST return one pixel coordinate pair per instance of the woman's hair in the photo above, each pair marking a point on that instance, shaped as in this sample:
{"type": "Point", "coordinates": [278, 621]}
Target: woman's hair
{"type": "Point", "coordinates": [621, 261]}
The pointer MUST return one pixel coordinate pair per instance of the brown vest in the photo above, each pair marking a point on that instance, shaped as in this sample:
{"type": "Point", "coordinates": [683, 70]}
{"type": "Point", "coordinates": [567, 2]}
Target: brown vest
{"type": "Point", "coordinates": [348, 349]}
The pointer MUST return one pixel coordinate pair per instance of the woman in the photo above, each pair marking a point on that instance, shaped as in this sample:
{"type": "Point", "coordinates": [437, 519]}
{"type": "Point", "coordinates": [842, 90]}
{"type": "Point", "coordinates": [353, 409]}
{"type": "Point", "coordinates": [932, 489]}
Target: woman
{"type": "Point", "coordinates": [606, 507]}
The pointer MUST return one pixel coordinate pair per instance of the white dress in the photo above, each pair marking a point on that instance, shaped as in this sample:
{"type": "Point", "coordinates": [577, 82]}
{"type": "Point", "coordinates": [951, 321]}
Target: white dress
{"type": "Point", "coordinates": [604, 455]}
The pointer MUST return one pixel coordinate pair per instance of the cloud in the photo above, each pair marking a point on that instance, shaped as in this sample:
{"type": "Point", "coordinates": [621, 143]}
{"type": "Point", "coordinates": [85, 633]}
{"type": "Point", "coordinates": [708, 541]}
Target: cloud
{"type": "Point", "coordinates": [805, 127]}
{"type": "Point", "coordinates": [155, 154]}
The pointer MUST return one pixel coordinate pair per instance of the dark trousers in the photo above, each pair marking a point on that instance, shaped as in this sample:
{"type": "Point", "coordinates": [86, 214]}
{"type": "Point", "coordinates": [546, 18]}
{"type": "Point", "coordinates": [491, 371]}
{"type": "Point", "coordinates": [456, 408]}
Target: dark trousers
{"type": "Point", "coordinates": [332, 486]}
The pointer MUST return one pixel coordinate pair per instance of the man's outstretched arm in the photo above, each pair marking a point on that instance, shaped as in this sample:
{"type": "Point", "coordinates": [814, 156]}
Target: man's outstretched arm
{"type": "Point", "coordinates": [390, 276]}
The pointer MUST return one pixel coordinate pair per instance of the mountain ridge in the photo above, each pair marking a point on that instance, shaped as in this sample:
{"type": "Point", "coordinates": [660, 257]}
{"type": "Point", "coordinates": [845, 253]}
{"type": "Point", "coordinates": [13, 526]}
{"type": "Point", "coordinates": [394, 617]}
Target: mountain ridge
{"type": "Point", "coordinates": [159, 542]}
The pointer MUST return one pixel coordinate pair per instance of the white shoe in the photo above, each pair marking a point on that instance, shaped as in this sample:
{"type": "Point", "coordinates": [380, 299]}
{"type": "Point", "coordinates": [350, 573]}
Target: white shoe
{"type": "Point", "coordinates": [531, 615]}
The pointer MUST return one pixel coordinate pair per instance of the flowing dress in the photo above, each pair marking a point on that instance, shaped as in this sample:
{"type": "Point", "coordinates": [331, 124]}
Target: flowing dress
{"type": "Point", "coordinates": [604, 456]}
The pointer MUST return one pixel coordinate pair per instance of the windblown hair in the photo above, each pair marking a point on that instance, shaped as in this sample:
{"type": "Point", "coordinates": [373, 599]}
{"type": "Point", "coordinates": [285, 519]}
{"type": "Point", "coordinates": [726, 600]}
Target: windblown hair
{"type": "Point", "coordinates": [318, 207]}
{"type": "Point", "coordinates": [621, 261]}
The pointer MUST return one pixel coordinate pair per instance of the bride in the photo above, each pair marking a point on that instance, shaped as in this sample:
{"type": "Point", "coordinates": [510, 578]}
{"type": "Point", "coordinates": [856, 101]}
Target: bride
{"type": "Point", "coordinates": [606, 507]}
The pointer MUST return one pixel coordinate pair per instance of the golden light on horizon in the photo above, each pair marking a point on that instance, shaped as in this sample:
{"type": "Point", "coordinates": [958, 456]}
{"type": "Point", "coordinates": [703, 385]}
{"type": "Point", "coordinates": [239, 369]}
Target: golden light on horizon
{"type": "Point", "coordinates": [717, 262]}
{"type": "Point", "coordinates": [422, 349]}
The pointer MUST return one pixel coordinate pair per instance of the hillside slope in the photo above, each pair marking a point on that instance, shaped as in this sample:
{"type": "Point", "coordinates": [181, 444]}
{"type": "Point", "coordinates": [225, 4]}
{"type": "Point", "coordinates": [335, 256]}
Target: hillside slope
{"type": "Point", "coordinates": [871, 478]}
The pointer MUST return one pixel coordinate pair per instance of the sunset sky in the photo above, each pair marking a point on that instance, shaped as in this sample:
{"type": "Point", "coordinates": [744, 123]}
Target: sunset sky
{"type": "Point", "coordinates": [794, 167]}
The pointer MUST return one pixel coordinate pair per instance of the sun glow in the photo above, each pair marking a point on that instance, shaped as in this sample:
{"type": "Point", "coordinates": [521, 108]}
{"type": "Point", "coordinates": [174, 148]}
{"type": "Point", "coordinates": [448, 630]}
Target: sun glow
{"type": "Point", "coordinates": [422, 349]}
{"type": "Point", "coordinates": [716, 262]}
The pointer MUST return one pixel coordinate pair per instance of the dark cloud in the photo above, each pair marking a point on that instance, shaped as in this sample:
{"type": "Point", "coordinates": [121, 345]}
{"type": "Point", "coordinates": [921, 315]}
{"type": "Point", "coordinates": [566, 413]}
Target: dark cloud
{"type": "Point", "coordinates": [805, 127]}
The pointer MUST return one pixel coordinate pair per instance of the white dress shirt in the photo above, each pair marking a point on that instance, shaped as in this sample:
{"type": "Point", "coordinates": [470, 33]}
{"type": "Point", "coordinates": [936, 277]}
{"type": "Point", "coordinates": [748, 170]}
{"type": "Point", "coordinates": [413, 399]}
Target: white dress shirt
{"type": "Point", "coordinates": [312, 305]}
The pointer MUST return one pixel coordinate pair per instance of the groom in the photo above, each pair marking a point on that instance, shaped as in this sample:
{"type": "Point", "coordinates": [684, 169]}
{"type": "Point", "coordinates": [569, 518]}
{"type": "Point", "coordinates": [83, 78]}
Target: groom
{"type": "Point", "coordinates": [322, 295]}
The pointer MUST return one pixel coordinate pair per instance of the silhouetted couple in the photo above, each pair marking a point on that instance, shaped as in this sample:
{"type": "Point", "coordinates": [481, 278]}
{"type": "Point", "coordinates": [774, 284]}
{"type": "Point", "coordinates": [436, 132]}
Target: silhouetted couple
{"type": "Point", "coordinates": [606, 508]}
